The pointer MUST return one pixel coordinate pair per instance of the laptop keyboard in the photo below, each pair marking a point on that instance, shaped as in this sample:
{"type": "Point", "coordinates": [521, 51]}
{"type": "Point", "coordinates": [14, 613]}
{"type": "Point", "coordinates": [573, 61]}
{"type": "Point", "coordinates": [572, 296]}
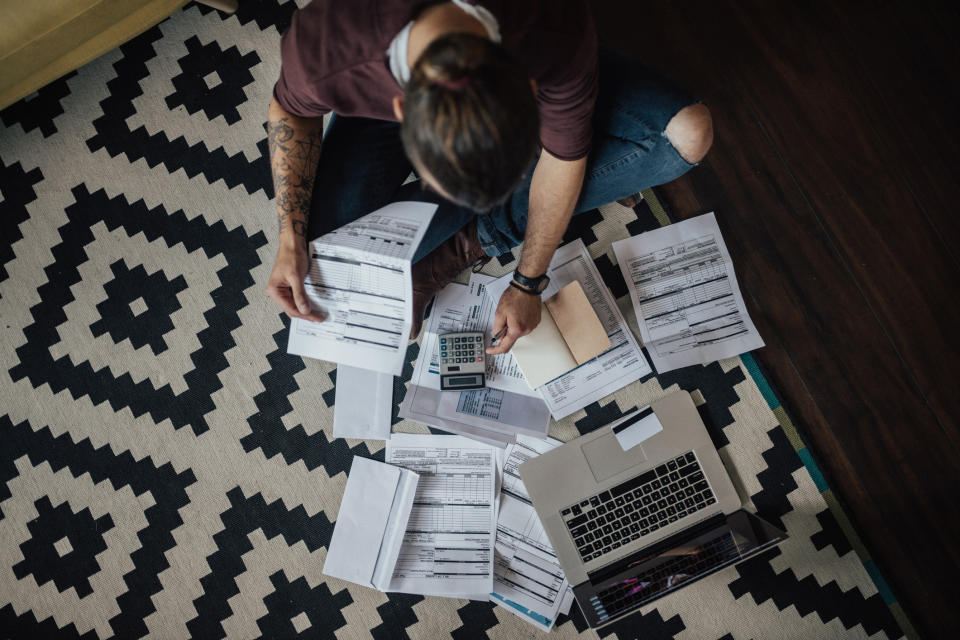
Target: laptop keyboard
{"type": "Point", "coordinates": [638, 507]}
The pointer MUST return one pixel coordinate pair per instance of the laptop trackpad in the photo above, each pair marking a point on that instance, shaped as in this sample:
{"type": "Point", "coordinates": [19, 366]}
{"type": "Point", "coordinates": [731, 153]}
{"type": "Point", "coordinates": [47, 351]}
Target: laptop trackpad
{"type": "Point", "coordinates": [606, 457]}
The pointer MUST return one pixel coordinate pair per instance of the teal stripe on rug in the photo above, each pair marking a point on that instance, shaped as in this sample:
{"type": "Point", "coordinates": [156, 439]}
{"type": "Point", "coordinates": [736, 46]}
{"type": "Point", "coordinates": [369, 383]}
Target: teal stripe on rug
{"type": "Point", "coordinates": [772, 401]}
{"type": "Point", "coordinates": [880, 583]}
{"type": "Point", "coordinates": [813, 469]}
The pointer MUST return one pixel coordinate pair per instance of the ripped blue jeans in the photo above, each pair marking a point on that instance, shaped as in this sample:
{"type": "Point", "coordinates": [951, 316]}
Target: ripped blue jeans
{"type": "Point", "coordinates": [363, 165]}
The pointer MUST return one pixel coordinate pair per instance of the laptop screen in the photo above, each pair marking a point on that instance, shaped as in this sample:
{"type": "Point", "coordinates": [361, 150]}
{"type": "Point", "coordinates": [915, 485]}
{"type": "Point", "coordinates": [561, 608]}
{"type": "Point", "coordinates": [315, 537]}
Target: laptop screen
{"type": "Point", "coordinates": [679, 560]}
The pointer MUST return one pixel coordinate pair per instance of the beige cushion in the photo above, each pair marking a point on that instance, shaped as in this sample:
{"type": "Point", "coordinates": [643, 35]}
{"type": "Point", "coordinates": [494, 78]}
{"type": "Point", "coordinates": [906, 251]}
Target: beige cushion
{"type": "Point", "coordinates": [40, 40]}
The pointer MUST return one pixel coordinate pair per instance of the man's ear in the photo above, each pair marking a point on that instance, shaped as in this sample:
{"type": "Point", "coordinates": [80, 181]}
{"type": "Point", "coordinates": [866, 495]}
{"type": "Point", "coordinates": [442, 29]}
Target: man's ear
{"type": "Point", "coordinates": [398, 107]}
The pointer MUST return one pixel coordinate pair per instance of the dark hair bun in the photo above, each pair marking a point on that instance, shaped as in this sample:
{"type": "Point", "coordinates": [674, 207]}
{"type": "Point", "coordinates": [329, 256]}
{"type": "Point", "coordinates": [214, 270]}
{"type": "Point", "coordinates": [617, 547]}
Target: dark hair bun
{"type": "Point", "coordinates": [470, 119]}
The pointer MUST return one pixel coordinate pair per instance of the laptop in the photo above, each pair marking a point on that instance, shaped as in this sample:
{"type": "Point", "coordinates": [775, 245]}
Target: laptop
{"type": "Point", "coordinates": [632, 522]}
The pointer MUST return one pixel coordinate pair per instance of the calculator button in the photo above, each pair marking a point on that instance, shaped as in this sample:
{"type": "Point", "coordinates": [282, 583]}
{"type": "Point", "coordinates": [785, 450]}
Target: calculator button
{"type": "Point", "coordinates": [443, 341]}
{"type": "Point", "coordinates": [479, 359]}
{"type": "Point", "coordinates": [456, 339]}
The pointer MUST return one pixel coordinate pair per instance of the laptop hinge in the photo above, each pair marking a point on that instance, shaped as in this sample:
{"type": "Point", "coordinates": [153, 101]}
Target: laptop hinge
{"type": "Point", "coordinates": [677, 539]}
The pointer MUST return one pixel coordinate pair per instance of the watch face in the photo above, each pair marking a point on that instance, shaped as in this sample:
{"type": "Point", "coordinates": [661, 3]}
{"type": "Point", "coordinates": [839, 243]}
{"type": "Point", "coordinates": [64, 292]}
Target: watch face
{"type": "Point", "coordinates": [542, 284]}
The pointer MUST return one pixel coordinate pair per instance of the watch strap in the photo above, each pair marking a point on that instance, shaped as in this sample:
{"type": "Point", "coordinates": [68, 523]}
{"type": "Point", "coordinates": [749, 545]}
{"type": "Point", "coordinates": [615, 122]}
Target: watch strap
{"type": "Point", "coordinates": [530, 283]}
{"type": "Point", "coordinates": [519, 287]}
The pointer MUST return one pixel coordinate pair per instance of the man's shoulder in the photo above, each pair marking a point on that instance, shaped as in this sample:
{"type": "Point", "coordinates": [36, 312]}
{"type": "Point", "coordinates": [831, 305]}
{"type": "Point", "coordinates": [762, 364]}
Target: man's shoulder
{"type": "Point", "coordinates": [332, 35]}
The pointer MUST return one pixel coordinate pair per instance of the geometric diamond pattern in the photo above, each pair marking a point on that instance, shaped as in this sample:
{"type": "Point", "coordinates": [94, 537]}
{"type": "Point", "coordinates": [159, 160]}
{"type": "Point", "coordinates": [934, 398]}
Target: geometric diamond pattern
{"type": "Point", "coordinates": [212, 80]}
{"type": "Point", "coordinates": [40, 109]}
{"type": "Point", "coordinates": [138, 306]}
{"type": "Point", "coordinates": [64, 547]}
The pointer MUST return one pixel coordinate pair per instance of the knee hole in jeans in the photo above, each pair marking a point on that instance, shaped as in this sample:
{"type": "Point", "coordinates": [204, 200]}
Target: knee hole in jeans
{"type": "Point", "coordinates": [690, 132]}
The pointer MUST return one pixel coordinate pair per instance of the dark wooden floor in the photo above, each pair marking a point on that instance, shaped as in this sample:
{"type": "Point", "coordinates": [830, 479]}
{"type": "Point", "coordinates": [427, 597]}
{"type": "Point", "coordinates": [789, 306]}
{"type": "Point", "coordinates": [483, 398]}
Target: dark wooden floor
{"type": "Point", "coordinates": [835, 179]}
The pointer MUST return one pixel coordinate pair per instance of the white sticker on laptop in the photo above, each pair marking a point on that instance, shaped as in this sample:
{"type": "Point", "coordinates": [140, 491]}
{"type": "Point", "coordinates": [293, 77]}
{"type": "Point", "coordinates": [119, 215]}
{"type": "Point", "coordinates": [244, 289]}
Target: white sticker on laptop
{"type": "Point", "coordinates": [636, 428]}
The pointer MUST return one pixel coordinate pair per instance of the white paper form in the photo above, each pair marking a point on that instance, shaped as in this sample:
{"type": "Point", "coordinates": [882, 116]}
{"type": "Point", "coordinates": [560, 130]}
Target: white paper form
{"type": "Point", "coordinates": [686, 295]}
{"type": "Point", "coordinates": [528, 579]}
{"type": "Point", "coordinates": [494, 415]}
{"type": "Point", "coordinates": [613, 369]}
{"type": "Point", "coordinates": [360, 279]}
{"type": "Point", "coordinates": [362, 404]}
{"type": "Point", "coordinates": [448, 546]}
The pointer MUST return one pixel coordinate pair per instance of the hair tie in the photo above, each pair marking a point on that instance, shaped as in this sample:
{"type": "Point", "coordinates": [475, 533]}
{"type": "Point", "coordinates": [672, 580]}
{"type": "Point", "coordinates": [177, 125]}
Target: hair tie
{"type": "Point", "coordinates": [457, 83]}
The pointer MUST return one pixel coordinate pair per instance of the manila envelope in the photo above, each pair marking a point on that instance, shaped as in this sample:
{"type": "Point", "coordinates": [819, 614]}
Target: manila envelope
{"type": "Point", "coordinates": [578, 323]}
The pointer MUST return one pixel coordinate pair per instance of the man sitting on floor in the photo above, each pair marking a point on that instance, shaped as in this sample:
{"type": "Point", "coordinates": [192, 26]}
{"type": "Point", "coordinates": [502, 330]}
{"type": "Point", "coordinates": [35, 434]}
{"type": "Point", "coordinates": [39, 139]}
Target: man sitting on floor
{"type": "Point", "coordinates": [508, 112]}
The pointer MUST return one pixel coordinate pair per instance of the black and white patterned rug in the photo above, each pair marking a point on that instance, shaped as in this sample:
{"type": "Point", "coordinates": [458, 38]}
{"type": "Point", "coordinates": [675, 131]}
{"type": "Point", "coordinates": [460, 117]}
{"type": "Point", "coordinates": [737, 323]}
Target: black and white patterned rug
{"type": "Point", "coordinates": [166, 469]}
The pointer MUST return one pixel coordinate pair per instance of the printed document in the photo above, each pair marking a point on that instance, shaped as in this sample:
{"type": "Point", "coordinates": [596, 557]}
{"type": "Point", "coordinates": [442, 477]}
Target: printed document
{"type": "Point", "coordinates": [360, 279]}
{"type": "Point", "coordinates": [528, 579]}
{"type": "Point", "coordinates": [370, 526]}
{"type": "Point", "coordinates": [686, 295]}
{"type": "Point", "coordinates": [494, 415]}
{"type": "Point", "coordinates": [448, 546]}
{"type": "Point", "coordinates": [613, 369]}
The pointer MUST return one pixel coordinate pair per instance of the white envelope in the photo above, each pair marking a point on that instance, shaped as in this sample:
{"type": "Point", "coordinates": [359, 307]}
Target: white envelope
{"type": "Point", "coordinates": [362, 404]}
{"type": "Point", "coordinates": [370, 526]}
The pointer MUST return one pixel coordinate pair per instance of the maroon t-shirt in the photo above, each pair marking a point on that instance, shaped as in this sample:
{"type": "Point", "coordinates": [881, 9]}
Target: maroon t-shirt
{"type": "Point", "coordinates": [334, 58]}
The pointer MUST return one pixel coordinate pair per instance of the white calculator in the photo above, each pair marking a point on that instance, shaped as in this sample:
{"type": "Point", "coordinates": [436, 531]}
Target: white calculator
{"type": "Point", "coordinates": [462, 361]}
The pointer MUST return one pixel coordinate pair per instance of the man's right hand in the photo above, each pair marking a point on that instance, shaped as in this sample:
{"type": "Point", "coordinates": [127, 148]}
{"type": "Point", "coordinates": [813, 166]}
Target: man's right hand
{"type": "Point", "coordinates": [286, 283]}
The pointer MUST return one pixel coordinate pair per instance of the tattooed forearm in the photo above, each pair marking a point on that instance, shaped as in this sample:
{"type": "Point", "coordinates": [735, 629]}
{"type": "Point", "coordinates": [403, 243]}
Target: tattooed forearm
{"type": "Point", "coordinates": [294, 145]}
{"type": "Point", "coordinates": [278, 135]}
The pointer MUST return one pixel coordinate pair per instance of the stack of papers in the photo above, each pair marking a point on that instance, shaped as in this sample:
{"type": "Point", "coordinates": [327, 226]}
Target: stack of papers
{"type": "Point", "coordinates": [433, 520]}
{"type": "Point", "coordinates": [509, 407]}
{"type": "Point", "coordinates": [494, 415]}
{"type": "Point", "coordinates": [528, 580]}
{"type": "Point", "coordinates": [613, 369]}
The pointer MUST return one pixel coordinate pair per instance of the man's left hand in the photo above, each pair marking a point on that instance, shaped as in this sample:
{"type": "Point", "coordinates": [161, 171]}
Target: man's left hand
{"type": "Point", "coordinates": [519, 313]}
